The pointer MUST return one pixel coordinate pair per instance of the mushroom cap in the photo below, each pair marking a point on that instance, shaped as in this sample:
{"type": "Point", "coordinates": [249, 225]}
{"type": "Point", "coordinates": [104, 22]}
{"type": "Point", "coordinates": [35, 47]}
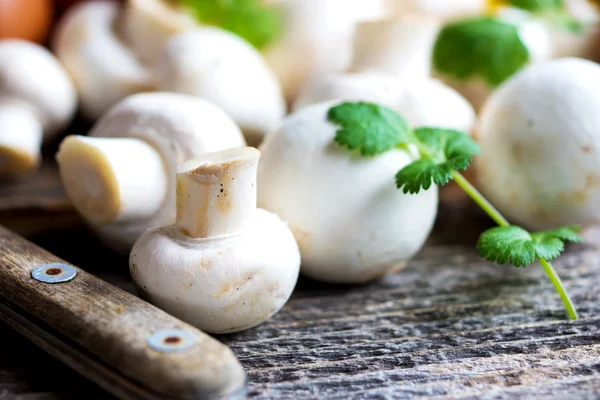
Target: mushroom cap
{"type": "Point", "coordinates": [148, 24]}
{"type": "Point", "coordinates": [103, 68]}
{"type": "Point", "coordinates": [351, 223]}
{"type": "Point", "coordinates": [422, 102]}
{"type": "Point", "coordinates": [220, 284]}
{"type": "Point", "coordinates": [180, 127]}
{"type": "Point", "coordinates": [223, 68]}
{"type": "Point", "coordinates": [540, 145]}
{"type": "Point", "coordinates": [30, 74]}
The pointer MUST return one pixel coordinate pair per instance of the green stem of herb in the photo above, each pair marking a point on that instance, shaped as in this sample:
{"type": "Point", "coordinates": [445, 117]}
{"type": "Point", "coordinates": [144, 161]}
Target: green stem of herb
{"type": "Point", "coordinates": [479, 199]}
{"type": "Point", "coordinates": [500, 220]}
{"type": "Point", "coordinates": [558, 285]}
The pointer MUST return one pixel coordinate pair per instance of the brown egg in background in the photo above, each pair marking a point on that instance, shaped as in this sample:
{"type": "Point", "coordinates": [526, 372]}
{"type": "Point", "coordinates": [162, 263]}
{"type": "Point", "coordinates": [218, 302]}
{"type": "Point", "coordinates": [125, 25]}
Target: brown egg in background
{"type": "Point", "coordinates": [26, 19]}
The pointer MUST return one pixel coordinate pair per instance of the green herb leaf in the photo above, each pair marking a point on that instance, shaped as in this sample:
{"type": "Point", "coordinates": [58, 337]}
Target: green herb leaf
{"type": "Point", "coordinates": [249, 19]}
{"type": "Point", "coordinates": [549, 244]}
{"type": "Point", "coordinates": [484, 47]}
{"type": "Point", "coordinates": [507, 244]}
{"type": "Point", "coordinates": [368, 127]}
{"type": "Point", "coordinates": [446, 151]}
{"type": "Point", "coordinates": [537, 5]}
{"type": "Point", "coordinates": [515, 245]}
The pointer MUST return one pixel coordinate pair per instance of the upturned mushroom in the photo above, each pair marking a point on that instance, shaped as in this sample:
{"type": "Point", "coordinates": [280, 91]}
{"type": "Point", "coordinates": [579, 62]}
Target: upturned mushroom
{"type": "Point", "coordinates": [351, 223]}
{"type": "Point", "coordinates": [540, 145]}
{"type": "Point", "coordinates": [225, 69]}
{"type": "Point", "coordinates": [391, 66]}
{"type": "Point", "coordinates": [121, 178]}
{"type": "Point", "coordinates": [317, 38]}
{"type": "Point", "coordinates": [105, 70]}
{"type": "Point", "coordinates": [37, 100]}
{"type": "Point", "coordinates": [148, 24]}
{"type": "Point", "coordinates": [224, 266]}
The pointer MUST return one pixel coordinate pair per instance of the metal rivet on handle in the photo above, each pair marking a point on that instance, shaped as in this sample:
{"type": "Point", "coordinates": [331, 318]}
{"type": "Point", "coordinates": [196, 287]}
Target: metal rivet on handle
{"type": "Point", "coordinates": [169, 340]}
{"type": "Point", "coordinates": [54, 273]}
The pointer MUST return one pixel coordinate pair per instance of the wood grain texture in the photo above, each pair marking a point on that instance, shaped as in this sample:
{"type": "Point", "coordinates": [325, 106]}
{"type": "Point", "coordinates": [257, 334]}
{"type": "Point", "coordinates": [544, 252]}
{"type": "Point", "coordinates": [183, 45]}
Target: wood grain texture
{"type": "Point", "coordinates": [449, 326]}
{"type": "Point", "coordinates": [113, 327]}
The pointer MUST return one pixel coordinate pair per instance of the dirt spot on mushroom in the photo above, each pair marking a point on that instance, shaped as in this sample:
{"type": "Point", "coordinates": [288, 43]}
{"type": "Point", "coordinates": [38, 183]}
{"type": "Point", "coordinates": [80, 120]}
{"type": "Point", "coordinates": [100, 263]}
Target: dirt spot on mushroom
{"type": "Point", "coordinates": [205, 265]}
{"type": "Point", "coordinates": [188, 285]}
{"type": "Point", "coordinates": [573, 197]}
{"type": "Point", "coordinates": [120, 309]}
{"type": "Point", "coordinates": [302, 237]}
{"type": "Point", "coordinates": [586, 148]}
{"type": "Point", "coordinates": [592, 181]}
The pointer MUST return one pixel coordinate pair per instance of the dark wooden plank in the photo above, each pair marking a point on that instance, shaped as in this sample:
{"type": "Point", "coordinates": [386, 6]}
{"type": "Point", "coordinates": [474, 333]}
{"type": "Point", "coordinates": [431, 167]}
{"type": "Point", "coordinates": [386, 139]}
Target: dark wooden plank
{"type": "Point", "coordinates": [102, 331]}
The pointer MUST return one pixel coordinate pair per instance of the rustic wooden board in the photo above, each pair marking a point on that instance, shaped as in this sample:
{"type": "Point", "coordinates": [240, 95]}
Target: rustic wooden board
{"type": "Point", "coordinates": [447, 327]}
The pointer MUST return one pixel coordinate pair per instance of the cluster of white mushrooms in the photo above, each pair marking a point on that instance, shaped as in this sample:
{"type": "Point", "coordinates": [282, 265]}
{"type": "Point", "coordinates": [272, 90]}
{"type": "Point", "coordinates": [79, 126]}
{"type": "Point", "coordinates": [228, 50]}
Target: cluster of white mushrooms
{"type": "Point", "coordinates": [166, 174]}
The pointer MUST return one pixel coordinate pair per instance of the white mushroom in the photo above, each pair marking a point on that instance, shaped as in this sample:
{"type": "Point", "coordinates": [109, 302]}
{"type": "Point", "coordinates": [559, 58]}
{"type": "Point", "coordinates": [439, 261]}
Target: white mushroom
{"type": "Point", "coordinates": [148, 24]}
{"type": "Point", "coordinates": [104, 69]}
{"type": "Point", "coordinates": [317, 38]}
{"type": "Point", "coordinates": [225, 265]}
{"type": "Point", "coordinates": [121, 178]}
{"type": "Point", "coordinates": [223, 68]}
{"type": "Point", "coordinates": [37, 100]}
{"type": "Point", "coordinates": [391, 67]}
{"type": "Point", "coordinates": [351, 223]}
{"type": "Point", "coordinates": [540, 145]}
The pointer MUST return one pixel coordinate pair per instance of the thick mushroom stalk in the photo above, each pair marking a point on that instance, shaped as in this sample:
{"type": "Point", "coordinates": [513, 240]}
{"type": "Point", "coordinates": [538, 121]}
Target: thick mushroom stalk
{"type": "Point", "coordinates": [224, 265]}
{"type": "Point", "coordinates": [148, 24]}
{"type": "Point", "coordinates": [112, 179]}
{"type": "Point", "coordinates": [217, 195]}
{"type": "Point", "coordinates": [37, 100]}
{"type": "Point", "coordinates": [317, 38]}
{"type": "Point", "coordinates": [122, 177]}
{"type": "Point", "coordinates": [401, 47]}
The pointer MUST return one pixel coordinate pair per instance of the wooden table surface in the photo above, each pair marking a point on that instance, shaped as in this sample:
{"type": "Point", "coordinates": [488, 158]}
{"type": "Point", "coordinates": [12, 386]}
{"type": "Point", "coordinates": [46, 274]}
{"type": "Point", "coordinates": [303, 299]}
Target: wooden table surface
{"type": "Point", "coordinates": [449, 326]}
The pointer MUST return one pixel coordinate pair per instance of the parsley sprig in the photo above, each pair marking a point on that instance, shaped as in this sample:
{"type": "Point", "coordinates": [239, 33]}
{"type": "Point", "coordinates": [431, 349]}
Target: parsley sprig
{"type": "Point", "coordinates": [249, 19]}
{"type": "Point", "coordinates": [371, 129]}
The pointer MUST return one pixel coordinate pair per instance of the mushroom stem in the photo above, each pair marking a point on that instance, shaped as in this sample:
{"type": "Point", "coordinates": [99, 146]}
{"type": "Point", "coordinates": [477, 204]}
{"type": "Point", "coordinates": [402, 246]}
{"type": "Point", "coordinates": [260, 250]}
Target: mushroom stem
{"type": "Point", "coordinates": [21, 137]}
{"type": "Point", "coordinates": [216, 194]}
{"type": "Point", "coordinates": [401, 47]}
{"type": "Point", "coordinates": [112, 179]}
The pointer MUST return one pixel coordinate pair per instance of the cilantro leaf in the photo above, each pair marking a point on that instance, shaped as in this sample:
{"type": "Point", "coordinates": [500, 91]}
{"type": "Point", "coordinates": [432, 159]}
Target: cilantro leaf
{"type": "Point", "coordinates": [507, 244]}
{"type": "Point", "coordinates": [515, 245]}
{"type": "Point", "coordinates": [249, 19]}
{"type": "Point", "coordinates": [368, 127]}
{"type": "Point", "coordinates": [537, 5]}
{"type": "Point", "coordinates": [447, 150]}
{"type": "Point", "coordinates": [549, 244]}
{"type": "Point", "coordinates": [482, 46]}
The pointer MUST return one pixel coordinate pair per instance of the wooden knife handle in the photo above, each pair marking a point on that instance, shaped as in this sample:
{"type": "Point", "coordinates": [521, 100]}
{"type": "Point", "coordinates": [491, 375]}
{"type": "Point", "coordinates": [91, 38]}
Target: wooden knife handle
{"type": "Point", "coordinates": [103, 332]}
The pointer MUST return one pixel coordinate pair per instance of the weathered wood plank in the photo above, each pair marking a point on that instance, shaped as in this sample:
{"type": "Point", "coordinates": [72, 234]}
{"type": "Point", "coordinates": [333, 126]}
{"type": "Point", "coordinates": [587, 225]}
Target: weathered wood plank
{"type": "Point", "coordinates": [449, 326]}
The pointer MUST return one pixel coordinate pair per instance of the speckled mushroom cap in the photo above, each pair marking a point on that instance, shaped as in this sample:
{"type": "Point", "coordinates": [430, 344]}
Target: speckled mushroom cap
{"type": "Point", "coordinates": [540, 145]}
{"type": "Point", "coordinates": [180, 127]}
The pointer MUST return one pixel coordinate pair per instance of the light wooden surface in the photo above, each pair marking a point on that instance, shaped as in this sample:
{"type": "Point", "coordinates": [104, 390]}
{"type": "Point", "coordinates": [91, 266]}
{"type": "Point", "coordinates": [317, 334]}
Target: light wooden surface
{"type": "Point", "coordinates": [449, 326]}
